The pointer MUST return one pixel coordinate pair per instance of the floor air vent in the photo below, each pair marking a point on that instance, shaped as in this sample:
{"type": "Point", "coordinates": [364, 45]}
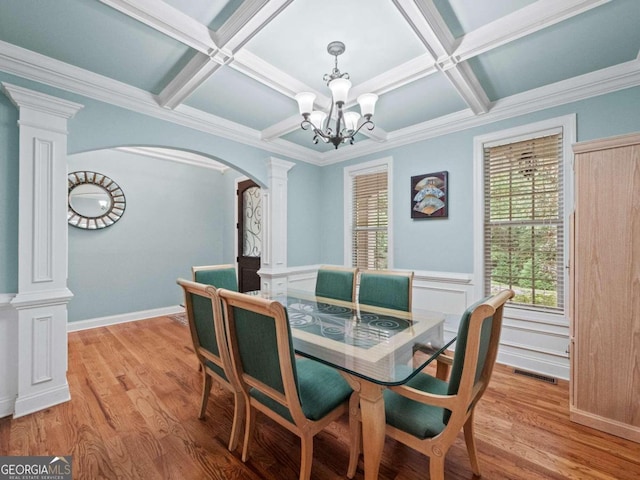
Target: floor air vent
{"type": "Point", "coordinates": [537, 376]}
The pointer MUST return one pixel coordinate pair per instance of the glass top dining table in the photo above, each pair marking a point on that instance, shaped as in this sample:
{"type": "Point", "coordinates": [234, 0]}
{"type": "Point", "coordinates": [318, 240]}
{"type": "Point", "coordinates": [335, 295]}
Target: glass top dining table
{"type": "Point", "coordinates": [374, 343]}
{"type": "Point", "coordinates": [374, 348]}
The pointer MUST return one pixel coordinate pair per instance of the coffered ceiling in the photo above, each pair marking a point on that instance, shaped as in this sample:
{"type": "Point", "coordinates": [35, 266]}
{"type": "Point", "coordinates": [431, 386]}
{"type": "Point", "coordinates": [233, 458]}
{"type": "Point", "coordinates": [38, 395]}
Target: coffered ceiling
{"type": "Point", "coordinates": [232, 67]}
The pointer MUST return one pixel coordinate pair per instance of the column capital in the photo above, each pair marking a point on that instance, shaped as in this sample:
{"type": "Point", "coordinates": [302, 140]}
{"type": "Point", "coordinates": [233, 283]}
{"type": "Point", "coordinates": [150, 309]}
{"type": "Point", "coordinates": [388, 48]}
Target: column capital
{"type": "Point", "coordinates": [25, 98]}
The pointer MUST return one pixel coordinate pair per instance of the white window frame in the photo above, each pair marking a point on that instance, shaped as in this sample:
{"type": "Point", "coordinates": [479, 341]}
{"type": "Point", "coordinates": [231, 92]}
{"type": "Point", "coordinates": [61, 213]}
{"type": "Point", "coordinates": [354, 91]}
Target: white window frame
{"type": "Point", "coordinates": [362, 169]}
{"type": "Point", "coordinates": [512, 135]}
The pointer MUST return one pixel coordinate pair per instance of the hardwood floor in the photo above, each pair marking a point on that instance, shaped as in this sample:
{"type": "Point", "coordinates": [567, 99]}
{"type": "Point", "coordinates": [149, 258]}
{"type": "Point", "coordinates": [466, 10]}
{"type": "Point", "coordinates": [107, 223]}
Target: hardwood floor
{"type": "Point", "coordinates": [135, 392]}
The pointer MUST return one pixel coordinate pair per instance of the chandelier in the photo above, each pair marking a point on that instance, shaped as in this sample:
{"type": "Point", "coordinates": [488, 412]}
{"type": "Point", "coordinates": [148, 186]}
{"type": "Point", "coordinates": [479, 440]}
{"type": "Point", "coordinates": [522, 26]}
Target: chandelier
{"type": "Point", "coordinates": [346, 122]}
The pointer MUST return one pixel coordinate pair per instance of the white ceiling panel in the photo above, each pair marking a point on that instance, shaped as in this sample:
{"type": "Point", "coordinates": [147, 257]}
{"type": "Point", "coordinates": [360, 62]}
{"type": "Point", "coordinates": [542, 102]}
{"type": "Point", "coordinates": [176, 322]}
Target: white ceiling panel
{"type": "Point", "coordinates": [236, 97]}
{"type": "Point", "coordinates": [239, 63]}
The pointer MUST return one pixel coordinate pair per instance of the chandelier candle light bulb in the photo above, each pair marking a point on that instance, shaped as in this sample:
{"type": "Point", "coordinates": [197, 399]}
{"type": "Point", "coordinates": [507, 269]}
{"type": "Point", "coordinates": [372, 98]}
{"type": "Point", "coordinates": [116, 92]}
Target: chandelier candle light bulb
{"type": "Point", "coordinates": [346, 122]}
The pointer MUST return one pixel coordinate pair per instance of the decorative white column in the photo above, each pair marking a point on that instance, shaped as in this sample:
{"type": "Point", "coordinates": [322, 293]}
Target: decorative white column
{"type": "Point", "coordinates": [41, 301]}
{"type": "Point", "coordinates": [273, 264]}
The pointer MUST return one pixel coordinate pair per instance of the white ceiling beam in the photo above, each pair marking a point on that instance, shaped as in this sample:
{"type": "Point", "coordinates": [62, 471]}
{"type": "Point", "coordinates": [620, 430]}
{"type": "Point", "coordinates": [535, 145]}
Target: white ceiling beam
{"type": "Point", "coordinates": [243, 24]}
{"type": "Point", "coordinates": [522, 22]}
{"type": "Point", "coordinates": [265, 73]}
{"type": "Point", "coordinates": [48, 71]}
{"type": "Point", "coordinates": [415, 69]}
{"type": "Point", "coordinates": [194, 74]}
{"type": "Point", "coordinates": [281, 128]}
{"type": "Point", "coordinates": [215, 49]}
{"type": "Point", "coordinates": [428, 24]}
{"type": "Point", "coordinates": [466, 83]}
{"type": "Point", "coordinates": [247, 21]}
{"type": "Point", "coordinates": [169, 21]}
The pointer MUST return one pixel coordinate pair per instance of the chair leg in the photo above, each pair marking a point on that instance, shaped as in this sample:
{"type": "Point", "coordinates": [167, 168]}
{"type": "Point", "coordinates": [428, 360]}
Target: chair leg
{"type": "Point", "coordinates": [238, 415]}
{"type": "Point", "coordinates": [249, 429]}
{"type": "Point", "coordinates": [355, 434]}
{"type": "Point", "coordinates": [206, 390]}
{"type": "Point", "coordinates": [306, 460]}
{"type": "Point", "coordinates": [442, 371]}
{"type": "Point", "coordinates": [436, 468]}
{"type": "Point", "coordinates": [470, 440]}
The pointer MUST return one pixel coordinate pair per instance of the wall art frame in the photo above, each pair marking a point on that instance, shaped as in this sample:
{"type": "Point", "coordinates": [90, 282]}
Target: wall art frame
{"type": "Point", "coordinates": [430, 195]}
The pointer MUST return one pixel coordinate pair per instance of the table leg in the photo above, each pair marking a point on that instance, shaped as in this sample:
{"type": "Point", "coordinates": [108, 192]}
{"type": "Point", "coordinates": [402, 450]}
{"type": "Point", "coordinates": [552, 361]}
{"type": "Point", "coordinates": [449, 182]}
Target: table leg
{"type": "Point", "coordinates": [373, 427]}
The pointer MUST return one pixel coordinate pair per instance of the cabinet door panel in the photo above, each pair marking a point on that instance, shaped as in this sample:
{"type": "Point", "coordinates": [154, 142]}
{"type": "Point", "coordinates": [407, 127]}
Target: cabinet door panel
{"type": "Point", "coordinates": [606, 323]}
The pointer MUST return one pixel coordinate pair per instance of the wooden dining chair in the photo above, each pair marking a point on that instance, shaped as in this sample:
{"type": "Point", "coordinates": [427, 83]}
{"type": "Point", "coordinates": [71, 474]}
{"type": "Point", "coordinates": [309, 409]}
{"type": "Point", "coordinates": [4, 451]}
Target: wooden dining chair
{"type": "Point", "coordinates": [220, 276]}
{"type": "Point", "coordinates": [204, 312]}
{"type": "Point", "coordinates": [300, 394]}
{"type": "Point", "coordinates": [427, 413]}
{"type": "Point", "coordinates": [337, 282]}
{"type": "Point", "coordinates": [386, 289]}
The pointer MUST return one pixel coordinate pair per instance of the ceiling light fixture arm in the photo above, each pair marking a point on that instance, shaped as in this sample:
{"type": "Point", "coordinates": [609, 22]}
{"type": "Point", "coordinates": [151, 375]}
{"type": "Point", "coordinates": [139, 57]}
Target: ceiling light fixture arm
{"type": "Point", "coordinates": [342, 136]}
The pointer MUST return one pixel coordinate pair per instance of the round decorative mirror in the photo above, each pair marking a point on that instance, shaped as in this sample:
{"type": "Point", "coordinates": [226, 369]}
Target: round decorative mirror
{"type": "Point", "coordinates": [95, 201]}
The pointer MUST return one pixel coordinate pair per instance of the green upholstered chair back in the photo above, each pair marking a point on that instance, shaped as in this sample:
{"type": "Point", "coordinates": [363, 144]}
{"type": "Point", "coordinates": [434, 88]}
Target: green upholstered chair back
{"type": "Point", "coordinates": [336, 282]}
{"type": "Point", "coordinates": [386, 290]}
{"type": "Point", "coordinates": [199, 305]}
{"type": "Point", "coordinates": [203, 321]}
{"type": "Point", "coordinates": [220, 276]}
{"type": "Point", "coordinates": [461, 346]}
{"type": "Point", "coordinates": [257, 344]}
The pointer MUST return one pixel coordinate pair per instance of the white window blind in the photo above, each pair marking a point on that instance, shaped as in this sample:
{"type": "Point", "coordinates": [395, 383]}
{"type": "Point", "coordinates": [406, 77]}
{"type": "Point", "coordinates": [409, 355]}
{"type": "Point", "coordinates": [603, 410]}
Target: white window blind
{"type": "Point", "coordinates": [523, 221]}
{"type": "Point", "coordinates": [370, 220]}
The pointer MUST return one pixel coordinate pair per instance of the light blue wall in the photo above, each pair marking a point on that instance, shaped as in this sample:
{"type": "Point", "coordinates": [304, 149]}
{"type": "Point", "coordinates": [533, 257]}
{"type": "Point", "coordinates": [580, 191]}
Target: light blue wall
{"type": "Point", "coordinates": [174, 218]}
{"type": "Point", "coordinates": [447, 244]}
{"type": "Point", "coordinates": [99, 126]}
{"type": "Point", "coordinates": [304, 215]}
{"type": "Point", "coordinates": [316, 204]}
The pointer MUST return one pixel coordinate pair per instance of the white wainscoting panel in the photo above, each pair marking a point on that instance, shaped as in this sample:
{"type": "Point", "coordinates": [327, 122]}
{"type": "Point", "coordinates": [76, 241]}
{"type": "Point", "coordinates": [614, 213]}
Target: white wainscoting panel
{"type": "Point", "coordinates": [42, 349]}
{"type": "Point", "coordinates": [529, 341]}
{"type": "Point", "coordinates": [8, 356]}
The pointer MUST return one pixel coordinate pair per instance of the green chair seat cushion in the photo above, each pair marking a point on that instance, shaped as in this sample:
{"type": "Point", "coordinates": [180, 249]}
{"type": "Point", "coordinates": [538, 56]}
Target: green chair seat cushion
{"type": "Point", "coordinates": [336, 284]}
{"type": "Point", "coordinates": [386, 291]}
{"type": "Point", "coordinates": [418, 419]}
{"type": "Point", "coordinates": [219, 278]}
{"type": "Point", "coordinates": [321, 389]}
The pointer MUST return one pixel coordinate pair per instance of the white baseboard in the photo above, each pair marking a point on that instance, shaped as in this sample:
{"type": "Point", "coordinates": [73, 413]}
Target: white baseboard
{"type": "Point", "coordinates": [41, 400]}
{"type": "Point", "coordinates": [6, 406]}
{"type": "Point", "coordinates": [123, 318]}
{"type": "Point", "coordinates": [554, 367]}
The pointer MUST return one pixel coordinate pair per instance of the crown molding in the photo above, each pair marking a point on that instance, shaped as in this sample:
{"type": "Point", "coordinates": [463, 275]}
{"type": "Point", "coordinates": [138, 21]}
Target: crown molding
{"type": "Point", "coordinates": [40, 102]}
{"type": "Point", "coordinates": [179, 156]}
{"type": "Point", "coordinates": [36, 67]}
{"type": "Point", "coordinates": [601, 82]}
{"type": "Point", "coordinates": [42, 69]}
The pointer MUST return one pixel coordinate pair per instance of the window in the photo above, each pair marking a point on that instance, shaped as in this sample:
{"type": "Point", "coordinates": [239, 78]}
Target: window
{"type": "Point", "coordinates": [367, 215]}
{"type": "Point", "coordinates": [523, 218]}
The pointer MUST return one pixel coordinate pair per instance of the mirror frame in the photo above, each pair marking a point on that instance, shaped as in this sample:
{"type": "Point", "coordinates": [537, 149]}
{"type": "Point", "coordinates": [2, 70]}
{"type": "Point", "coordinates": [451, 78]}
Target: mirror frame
{"type": "Point", "coordinates": [116, 195]}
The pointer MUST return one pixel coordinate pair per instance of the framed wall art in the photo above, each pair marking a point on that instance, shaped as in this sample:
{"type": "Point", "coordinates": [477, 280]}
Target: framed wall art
{"type": "Point", "coordinates": [429, 197]}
